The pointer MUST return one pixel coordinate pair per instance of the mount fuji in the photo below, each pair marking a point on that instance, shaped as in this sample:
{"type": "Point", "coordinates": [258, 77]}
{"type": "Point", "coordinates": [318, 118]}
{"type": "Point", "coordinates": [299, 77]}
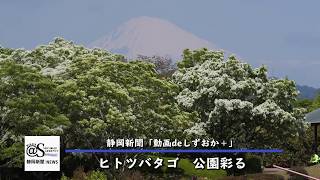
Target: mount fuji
{"type": "Point", "coordinates": [150, 36]}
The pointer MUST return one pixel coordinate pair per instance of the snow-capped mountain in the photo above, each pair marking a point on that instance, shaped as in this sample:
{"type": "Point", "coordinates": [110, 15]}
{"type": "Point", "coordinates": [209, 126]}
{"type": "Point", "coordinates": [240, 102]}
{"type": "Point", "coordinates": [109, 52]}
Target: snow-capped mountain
{"type": "Point", "coordinates": [150, 36]}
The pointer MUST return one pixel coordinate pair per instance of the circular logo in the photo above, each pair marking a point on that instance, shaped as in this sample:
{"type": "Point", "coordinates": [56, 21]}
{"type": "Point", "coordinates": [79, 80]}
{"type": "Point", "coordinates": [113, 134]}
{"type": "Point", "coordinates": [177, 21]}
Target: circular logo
{"type": "Point", "coordinates": [35, 150]}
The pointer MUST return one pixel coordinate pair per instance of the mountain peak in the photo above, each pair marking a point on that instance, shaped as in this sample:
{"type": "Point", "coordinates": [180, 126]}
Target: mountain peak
{"type": "Point", "coordinates": [150, 36]}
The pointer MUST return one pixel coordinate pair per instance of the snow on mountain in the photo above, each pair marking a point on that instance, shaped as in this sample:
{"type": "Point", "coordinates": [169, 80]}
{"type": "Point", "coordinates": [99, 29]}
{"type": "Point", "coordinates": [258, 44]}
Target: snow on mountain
{"type": "Point", "coordinates": [150, 36]}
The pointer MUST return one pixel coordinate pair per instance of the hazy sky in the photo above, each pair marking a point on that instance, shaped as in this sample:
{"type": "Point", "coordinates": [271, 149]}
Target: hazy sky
{"type": "Point", "coordinates": [283, 34]}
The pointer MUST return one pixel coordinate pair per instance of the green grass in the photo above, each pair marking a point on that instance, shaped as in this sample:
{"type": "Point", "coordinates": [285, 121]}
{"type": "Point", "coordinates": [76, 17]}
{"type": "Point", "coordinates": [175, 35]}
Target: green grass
{"type": "Point", "coordinates": [188, 169]}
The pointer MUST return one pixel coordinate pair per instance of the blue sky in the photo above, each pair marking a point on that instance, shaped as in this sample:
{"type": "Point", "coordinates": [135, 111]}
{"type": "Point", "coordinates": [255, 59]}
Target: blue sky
{"type": "Point", "coordinates": [284, 35]}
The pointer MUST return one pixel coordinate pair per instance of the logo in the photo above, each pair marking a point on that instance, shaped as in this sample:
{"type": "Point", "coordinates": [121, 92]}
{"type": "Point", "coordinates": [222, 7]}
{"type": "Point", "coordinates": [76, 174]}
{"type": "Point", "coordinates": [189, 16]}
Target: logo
{"type": "Point", "coordinates": [42, 153]}
{"type": "Point", "coordinates": [35, 150]}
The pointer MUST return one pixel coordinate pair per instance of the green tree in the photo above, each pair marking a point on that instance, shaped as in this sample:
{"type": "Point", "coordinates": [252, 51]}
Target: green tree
{"type": "Point", "coordinates": [315, 104]}
{"type": "Point", "coordinates": [104, 96]}
{"type": "Point", "coordinates": [101, 95]}
{"type": "Point", "coordinates": [114, 99]}
{"type": "Point", "coordinates": [236, 101]}
{"type": "Point", "coordinates": [305, 103]}
{"type": "Point", "coordinates": [27, 107]}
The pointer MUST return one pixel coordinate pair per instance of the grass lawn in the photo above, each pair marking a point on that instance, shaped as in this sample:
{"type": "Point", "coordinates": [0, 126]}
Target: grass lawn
{"type": "Point", "coordinates": [188, 169]}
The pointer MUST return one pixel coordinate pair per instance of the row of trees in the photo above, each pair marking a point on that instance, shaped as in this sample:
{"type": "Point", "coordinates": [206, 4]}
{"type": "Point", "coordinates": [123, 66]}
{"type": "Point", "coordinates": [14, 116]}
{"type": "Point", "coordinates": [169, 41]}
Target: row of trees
{"type": "Point", "coordinates": [89, 95]}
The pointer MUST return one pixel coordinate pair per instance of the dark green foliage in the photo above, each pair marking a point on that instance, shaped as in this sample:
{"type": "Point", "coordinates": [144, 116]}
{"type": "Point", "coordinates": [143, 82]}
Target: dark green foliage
{"type": "Point", "coordinates": [191, 58]}
{"type": "Point", "coordinates": [253, 164]}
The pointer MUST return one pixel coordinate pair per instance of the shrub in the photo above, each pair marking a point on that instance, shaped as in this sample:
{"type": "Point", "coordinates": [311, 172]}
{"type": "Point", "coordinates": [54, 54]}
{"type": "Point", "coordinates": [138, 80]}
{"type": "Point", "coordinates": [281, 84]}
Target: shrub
{"type": "Point", "coordinates": [79, 174]}
{"type": "Point", "coordinates": [96, 175]}
{"type": "Point", "coordinates": [253, 164]}
{"type": "Point", "coordinates": [63, 177]}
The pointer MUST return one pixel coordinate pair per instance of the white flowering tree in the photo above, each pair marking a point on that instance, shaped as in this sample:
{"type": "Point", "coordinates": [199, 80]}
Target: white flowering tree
{"type": "Point", "coordinates": [27, 107]}
{"type": "Point", "coordinates": [99, 93]}
{"type": "Point", "coordinates": [236, 101]}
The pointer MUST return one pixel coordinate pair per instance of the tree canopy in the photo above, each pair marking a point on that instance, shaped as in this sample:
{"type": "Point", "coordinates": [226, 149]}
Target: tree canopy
{"type": "Point", "coordinates": [27, 107]}
{"type": "Point", "coordinates": [47, 89]}
{"type": "Point", "coordinates": [236, 101]}
{"type": "Point", "coordinates": [89, 95]}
